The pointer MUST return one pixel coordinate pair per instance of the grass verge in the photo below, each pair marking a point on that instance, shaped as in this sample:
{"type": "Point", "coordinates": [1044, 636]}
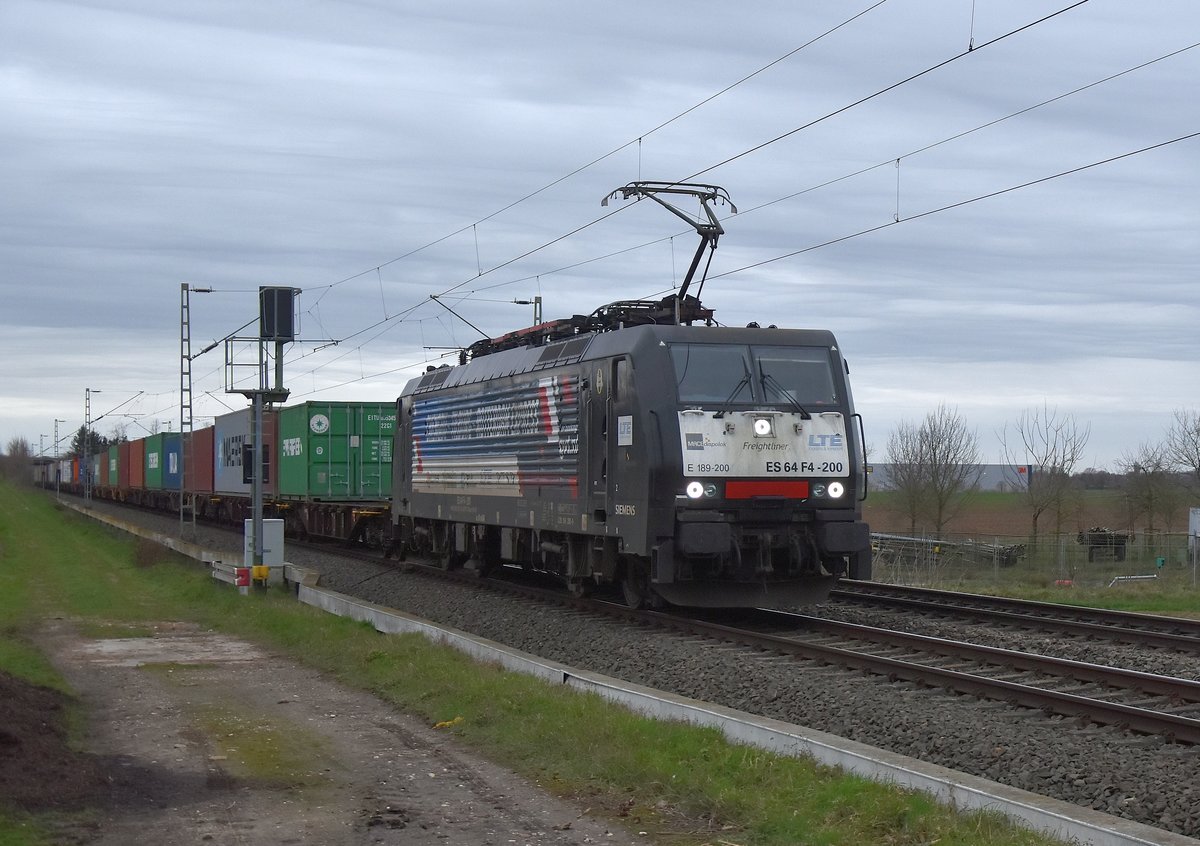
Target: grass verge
{"type": "Point", "coordinates": [679, 784]}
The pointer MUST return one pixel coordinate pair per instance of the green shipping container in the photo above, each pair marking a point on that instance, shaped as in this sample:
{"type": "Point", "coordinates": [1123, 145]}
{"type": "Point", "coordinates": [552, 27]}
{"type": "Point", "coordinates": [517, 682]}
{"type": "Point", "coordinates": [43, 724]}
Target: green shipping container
{"type": "Point", "coordinates": [336, 450]}
{"type": "Point", "coordinates": [114, 458]}
{"type": "Point", "coordinates": [154, 462]}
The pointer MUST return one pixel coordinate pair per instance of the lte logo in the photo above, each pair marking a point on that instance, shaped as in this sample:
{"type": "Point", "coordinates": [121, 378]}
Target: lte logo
{"type": "Point", "coordinates": [825, 441]}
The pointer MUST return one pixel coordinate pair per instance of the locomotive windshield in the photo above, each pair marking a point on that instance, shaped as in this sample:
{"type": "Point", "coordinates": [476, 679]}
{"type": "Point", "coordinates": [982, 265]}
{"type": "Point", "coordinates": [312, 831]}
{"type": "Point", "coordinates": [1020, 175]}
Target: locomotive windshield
{"type": "Point", "coordinates": [796, 374]}
{"type": "Point", "coordinates": [736, 373]}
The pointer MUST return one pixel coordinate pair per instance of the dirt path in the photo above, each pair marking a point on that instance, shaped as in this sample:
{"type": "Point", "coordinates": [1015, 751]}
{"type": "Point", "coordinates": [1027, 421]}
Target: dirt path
{"type": "Point", "coordinates": [206, 740]}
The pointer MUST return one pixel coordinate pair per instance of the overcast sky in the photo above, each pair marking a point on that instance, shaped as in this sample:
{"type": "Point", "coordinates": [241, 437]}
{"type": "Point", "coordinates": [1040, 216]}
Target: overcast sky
{"type": "Point", "coordinates": [375, 153]}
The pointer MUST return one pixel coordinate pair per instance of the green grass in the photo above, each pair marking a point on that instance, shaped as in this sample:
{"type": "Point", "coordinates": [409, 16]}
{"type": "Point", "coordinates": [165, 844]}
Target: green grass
{"type": "Point", "coordinates": [681, 784]}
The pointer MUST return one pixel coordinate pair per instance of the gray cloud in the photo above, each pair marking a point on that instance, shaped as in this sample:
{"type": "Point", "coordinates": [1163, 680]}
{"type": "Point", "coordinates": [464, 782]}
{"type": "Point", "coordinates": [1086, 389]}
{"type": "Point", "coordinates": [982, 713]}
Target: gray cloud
{"type": "Point", "coordinates": [228, 145]}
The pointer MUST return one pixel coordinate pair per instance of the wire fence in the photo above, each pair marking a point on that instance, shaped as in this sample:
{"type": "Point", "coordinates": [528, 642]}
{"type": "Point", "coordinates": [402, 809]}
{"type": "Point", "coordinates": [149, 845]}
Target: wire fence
{"type": "Point", "coordinates": [1090, 559]}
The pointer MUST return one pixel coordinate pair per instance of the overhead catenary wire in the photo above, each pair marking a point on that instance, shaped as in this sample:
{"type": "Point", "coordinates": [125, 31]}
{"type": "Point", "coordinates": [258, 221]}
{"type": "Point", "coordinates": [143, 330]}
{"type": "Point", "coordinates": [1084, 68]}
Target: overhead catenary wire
{"type": "Point", "coordinates": [886, 225]}
{"type": "Point", "coordinates": [885, 90]}
{"type": "Point", "coordinates": [406, 314]}
{"type": "Point", "coordinates": [743, 212]}
{"type": "Point", "coordinates": [390, 320]}
{"type": "Point", "coordinates": [744, 153]}
{"type": "Point", "coordinates": [638, 140]}
{"type": "Point", "coordinates": [961, 203]}
{"type": "Point", "coordinates": [986, 125]}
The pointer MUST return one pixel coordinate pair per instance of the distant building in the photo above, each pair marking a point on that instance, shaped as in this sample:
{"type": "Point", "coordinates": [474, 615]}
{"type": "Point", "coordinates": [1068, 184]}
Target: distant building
{"type": "Point", "coordinates": [993, 477]}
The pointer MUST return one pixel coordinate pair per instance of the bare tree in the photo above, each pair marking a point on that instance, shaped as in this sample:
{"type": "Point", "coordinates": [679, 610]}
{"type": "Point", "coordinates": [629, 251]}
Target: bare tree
{"type": "Point", "coordinates": [1050, 445]}
{"type": "Point", "coordinates": [15, 464]}
{"type": "Point", "coordinates": [934, 465]}
{"type": "Point", "coordinates": [953, 463]}
{"type": "Point", "coordinates": [1151, 489]}
{"type": "Point", "coordinates": [1182, 446]}
{"type": "Point", "coordinates": [906, 474]}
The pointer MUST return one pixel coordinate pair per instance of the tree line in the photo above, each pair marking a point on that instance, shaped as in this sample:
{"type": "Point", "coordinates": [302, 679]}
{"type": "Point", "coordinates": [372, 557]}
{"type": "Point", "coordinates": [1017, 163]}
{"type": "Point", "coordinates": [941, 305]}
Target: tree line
{"type": "Point", "coordinates": [19, 454]}
{"type": "Point", "coordinates": [935, 464]}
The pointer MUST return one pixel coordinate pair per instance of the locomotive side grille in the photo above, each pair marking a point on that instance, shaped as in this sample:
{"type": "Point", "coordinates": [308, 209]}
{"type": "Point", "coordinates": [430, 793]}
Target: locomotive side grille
{"type": "Point", "coordinates": [563, 353]}
{"type": "Point", "coordinates": [433, 379]}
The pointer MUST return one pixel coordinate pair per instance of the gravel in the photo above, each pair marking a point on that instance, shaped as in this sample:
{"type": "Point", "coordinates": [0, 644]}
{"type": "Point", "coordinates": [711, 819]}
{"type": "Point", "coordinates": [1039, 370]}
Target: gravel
{"type": "Point", "coordinates": [1131, 776]}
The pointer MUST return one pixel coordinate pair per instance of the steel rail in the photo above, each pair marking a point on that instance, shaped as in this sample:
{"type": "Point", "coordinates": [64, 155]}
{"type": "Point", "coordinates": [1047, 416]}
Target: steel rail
{"type": "Point", "coordinates": [1172, 726]}
{"type": "Point", "coordinates": [1184, 690]}
{"type": "Point", "coordinates": [1126, 626]}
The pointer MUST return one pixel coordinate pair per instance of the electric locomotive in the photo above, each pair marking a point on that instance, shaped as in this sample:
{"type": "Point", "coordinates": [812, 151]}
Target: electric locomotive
{"type": "Point", "coordinates": [641, 445]}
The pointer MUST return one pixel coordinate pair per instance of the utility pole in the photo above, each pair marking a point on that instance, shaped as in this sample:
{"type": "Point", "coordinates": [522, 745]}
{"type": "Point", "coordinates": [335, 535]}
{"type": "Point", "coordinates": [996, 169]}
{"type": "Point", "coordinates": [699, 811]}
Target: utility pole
{"type": "Point", "coordinates": [57, 467]}
{"type": "Point", "coordinates": [85, 460]}
{"type": "Point", "coordinates": [186, 506]}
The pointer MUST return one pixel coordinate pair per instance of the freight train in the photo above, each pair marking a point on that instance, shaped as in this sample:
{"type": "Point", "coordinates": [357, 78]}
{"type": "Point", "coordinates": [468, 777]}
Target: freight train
{"type": "Point", "coordinates": [640, 445]}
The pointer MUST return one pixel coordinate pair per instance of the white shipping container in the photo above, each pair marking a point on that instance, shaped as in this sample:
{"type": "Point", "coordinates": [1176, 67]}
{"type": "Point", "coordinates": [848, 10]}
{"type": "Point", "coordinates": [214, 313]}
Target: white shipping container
{"type": "Point", "coordinates": [231, 434]}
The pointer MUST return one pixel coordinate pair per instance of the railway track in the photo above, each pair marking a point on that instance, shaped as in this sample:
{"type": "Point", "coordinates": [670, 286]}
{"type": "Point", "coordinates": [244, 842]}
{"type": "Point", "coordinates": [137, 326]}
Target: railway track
{"type": "Point", "coordinates": [1141, 702]}
{"type": "Point", "coordinates": [1144, 703]}
{"type": "Point", "coordinates": [1123, 626]}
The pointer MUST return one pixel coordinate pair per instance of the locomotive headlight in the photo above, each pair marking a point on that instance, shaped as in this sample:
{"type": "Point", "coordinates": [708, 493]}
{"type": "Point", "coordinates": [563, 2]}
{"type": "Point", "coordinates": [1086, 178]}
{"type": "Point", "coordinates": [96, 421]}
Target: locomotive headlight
{"type": "Point", "coordinates": [818, 491]}
{"type": "Point", "coordinates": [764, 427]}
{"type": "Point", "coordinates": [710, 490]}
{"type": "Point", "coordinates": [695, 490]}
{"type": "Point", "coordinates": [836, 489]}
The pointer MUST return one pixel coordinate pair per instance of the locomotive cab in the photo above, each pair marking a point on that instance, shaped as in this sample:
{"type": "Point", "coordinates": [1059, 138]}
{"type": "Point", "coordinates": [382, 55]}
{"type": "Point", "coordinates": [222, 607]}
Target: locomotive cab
{"type": "Point", "coordinates": [759, 479]}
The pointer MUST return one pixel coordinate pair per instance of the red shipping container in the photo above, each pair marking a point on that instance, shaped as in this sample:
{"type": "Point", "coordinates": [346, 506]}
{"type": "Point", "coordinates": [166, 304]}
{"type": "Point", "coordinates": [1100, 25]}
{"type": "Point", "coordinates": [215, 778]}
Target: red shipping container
{"type": "Point", "coordinates": [137, 464]}
{"type": "Point", "coordinates": [123, 451]}
{"type": "Point", "coordinates": [199, 462]}
{"type": "Point", "coordinates": [75, 471]}
{"type": "Point", "coordinates": [102, 469]}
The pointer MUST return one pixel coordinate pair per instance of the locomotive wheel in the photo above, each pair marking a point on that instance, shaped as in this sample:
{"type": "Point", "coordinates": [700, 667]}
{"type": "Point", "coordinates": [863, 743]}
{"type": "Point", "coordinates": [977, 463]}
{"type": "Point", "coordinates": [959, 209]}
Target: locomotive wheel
{"type": "Point", "coordinates": [444, 554]}
{"type": "Point", "coordinates": [635, 585]}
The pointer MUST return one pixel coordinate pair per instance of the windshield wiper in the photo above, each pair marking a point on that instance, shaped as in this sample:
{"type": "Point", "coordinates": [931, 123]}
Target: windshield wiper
{"type": "Point", "coordinates": [737, 389]}
{"type": "Point", "coordinates": [770, 381]}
